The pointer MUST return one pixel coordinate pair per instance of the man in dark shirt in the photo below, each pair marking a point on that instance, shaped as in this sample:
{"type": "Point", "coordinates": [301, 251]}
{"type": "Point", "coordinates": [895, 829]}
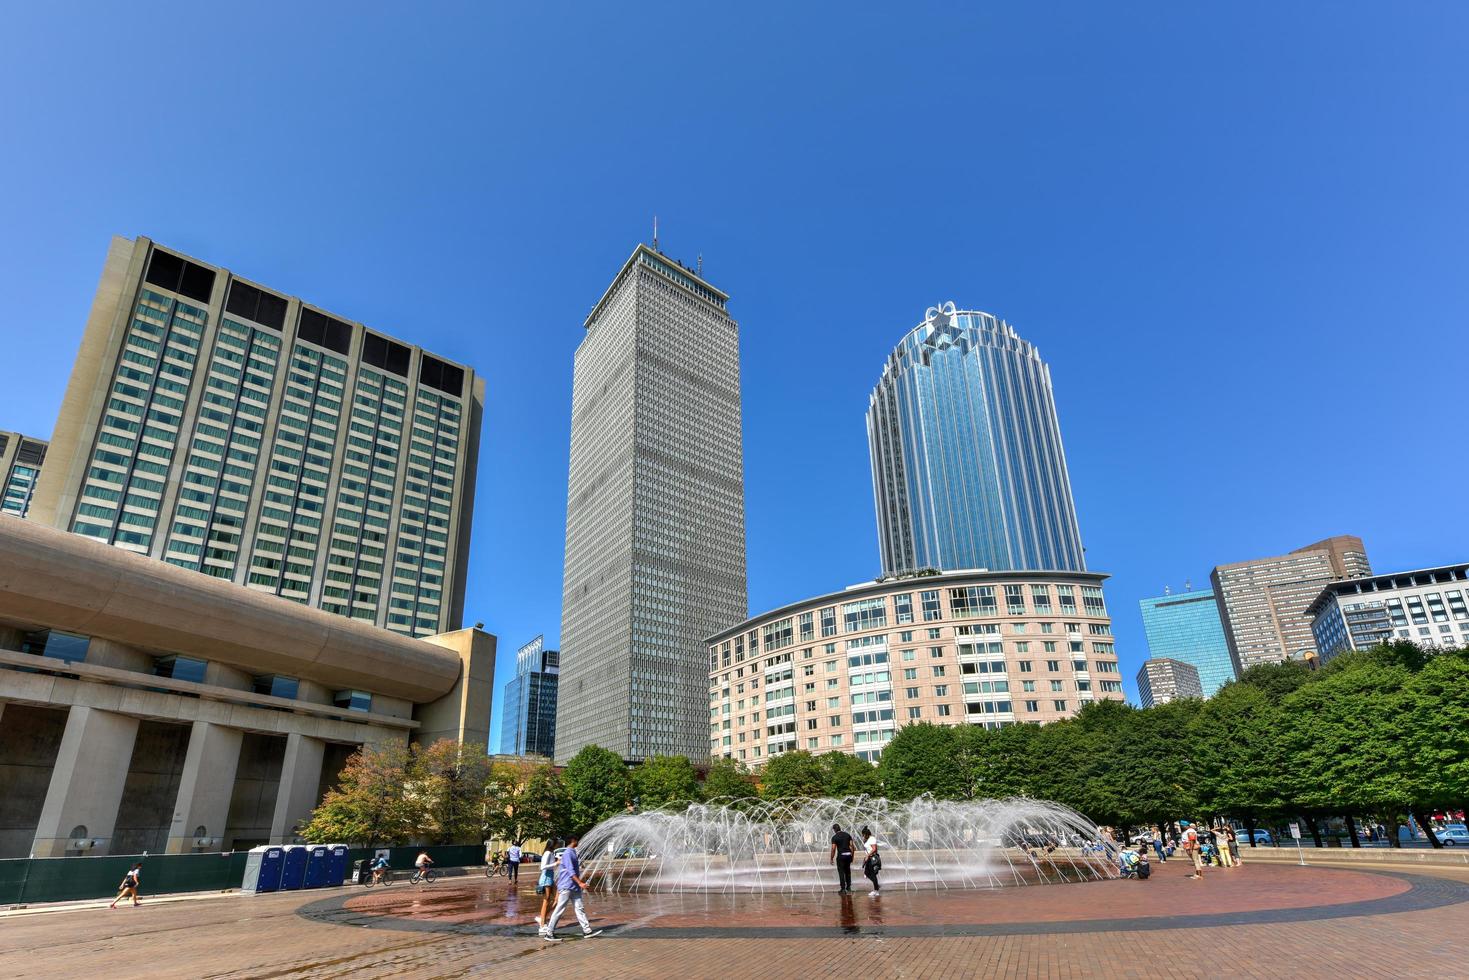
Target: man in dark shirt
{"type": "Point", "coordinates": [841, 855]}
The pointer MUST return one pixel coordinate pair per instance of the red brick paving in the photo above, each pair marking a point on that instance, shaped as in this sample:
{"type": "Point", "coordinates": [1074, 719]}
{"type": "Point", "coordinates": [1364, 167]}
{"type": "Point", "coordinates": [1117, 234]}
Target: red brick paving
{"type": "Point", "coordinates": [262, 937]}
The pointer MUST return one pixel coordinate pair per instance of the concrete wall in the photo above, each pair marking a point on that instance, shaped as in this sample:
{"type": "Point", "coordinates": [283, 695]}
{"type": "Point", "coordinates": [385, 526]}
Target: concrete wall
{"type": "Point", "coordinates": [152, 787]}
{"type": "Point", "coordinates": [29, 740]}
{"type": "Point", "coordinates": [252, 804]}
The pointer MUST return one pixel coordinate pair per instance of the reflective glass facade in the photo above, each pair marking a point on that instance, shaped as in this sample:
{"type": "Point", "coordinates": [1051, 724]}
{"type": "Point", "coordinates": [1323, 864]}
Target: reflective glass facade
{"type": "Point", "coordinates": [529, 709]}
{"type": "Point", "coordinates": [1187, 627]}
{"type": "Point", "coordinates": [968, 469]}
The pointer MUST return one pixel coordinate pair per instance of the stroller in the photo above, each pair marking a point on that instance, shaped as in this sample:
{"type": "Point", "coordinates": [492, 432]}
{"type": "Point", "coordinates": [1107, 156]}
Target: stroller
{"type": "Point", "coordinates": [1134, 865]}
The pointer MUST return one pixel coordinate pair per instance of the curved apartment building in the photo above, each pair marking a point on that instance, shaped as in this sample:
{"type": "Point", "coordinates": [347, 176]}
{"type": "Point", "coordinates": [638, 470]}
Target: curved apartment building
{"type": "Point", "coordinates": [842, 672]}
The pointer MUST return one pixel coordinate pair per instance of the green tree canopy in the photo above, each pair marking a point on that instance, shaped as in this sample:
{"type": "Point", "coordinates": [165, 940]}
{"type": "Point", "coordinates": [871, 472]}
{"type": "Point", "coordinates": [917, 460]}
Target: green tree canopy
{"type": "Point", "coordinates": [790, 775]}
{"type": "Point", "coordinates": [599, 786]}
{"type": "Point", "coordinates": [847, 775]}
{"type": "Point", "coordinates": [449, 781]}
{"type": "Point", "coordinates": [1276, 680]}
{"type": "Point", "coordinates": [728, 778]}
{"type": "Point", "coordinates": [663, 780]}
{"type": "Point", "coordinates": [923, 758]}
{"type": "Point", "coordinates": [1234, 739]}
{"type": "Point", "coordinates": [996, 762]}
{"type": "Point", "coordinates": [368, 805]}
{"type": "Point", "coordinates": [527, 801]}
{"type": "Point", "coordinates": [1437, 728]}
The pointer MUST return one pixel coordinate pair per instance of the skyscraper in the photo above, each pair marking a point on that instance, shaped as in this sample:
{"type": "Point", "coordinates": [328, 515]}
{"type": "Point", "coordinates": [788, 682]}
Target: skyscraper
{"type": "Point", "coordinates": [20, 468]}
{"type": "Point", "coordinates": [967, 465]}
{"type": "Point", "coordinates": [529, 725]}
{"type": "Point", "coordinates": [1263, 603]}
{"type": "Point", "coordinates": [1161, 680]}
{"type": "Point", "coordinates": [1186, 627]}
{"type": "Point", "coordinates": [222, 427]}
{"type": "Point", "coordinates": [655, 513]}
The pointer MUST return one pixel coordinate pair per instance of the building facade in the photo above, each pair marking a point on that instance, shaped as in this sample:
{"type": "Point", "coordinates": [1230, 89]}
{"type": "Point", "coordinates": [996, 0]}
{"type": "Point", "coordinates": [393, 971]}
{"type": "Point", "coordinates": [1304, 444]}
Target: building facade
{"type": "Point", "coordinates": [842, 672]}
{"type": "Point", "coordinates": [148, 708]}
{"type": "Point", "coordinates": [222, 427]}
{"type": "Point", "coordinates": [1429, 606]}
{"type": "Point", "coordinates": [1162, 679]}
{"type": "Point", "coordinates": [1186, 627]}
{"type": "Point", "coordinates": [529, 720]}
{"type": "Point", "coordinates": [968, 470]}
{"type": "Point", "coordinates": [1263, 603]}
{"type": "Point", "coordinates": [655, 514]}
{"type": "Point", "coordinates": [20, 468]}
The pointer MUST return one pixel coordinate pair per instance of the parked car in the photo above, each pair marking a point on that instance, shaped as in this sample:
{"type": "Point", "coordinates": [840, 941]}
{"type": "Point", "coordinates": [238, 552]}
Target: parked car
{"type": "Point", "coordinates": [1263, 837]}
{"type": "Point", "coordinates": [1454, 835]}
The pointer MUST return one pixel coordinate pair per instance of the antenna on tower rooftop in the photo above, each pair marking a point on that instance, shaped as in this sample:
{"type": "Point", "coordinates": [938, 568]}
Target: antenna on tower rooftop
{"type": "Point", "coordinates": [701, 264]}
{"type": "Point", "coordinates": [655, 233]}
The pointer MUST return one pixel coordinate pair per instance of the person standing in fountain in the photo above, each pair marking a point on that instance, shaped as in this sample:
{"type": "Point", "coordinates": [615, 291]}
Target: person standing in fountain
{"type": "Point", "coordinates": [569, 887]}
{"type": "Point", "coordinates": [841, 854]}
{"type": "Point", "coordinates": [873, 863]}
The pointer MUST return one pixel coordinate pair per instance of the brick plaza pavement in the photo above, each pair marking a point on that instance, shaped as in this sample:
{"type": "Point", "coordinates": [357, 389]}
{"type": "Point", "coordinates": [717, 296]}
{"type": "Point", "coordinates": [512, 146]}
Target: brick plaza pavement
{"type": "Point", "coordinates": [1261, 920]}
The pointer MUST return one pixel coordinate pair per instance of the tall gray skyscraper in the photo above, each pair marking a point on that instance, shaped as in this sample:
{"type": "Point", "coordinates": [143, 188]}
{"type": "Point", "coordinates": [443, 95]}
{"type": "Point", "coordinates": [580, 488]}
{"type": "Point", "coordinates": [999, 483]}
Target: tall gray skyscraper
{"type": "Point", "coordinates": [967, 465]}
{"type": "Point", "coordinates": [655, 513]}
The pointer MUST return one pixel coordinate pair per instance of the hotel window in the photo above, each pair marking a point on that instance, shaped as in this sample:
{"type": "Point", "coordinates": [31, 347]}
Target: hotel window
{"type": "Point", "coordinates": [1032, 706]}
{"type": "Point", "coordinates": [915, 712]}
{"type": "Point", "coordinates": [903, 607]}
{"type": "Point", "coordinates": [864, 614]}
{"type": "Point", "coordinates": [1015, 600]}
{"type": "Point", "coordinates": [931, 608]}
{"type": "Point", "coordinates": [829, 621]}
{"type": "Point", "coordinates": [806, 628]}
{"type": "Point", "coordinates": [973, 600]}
{"type": "Point", "coordinates": [1040, 599]}
{"type": "Point", "coordinates": [1059, 705]}
{"type": "Point", "coordinates": [1091, 600]}
{"type": "Point", "coordinates": [1026, 666]}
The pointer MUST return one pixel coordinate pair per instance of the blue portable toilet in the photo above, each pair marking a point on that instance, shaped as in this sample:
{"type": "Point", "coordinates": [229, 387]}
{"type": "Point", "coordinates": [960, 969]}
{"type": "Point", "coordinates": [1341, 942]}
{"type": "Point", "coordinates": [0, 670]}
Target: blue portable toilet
{"type": "Point", "coordinates": [338, 864]}
{"type": "Point", "coordinates": [318, 866]}
{"type": "Point", "coordinates": [263, 868]}
{"type": "Point", "coordinates": [293, 871]}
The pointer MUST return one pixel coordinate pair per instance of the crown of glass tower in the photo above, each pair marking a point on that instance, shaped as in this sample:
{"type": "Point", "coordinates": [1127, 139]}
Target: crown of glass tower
{"type": "Point", "coordinates": [967, 465]}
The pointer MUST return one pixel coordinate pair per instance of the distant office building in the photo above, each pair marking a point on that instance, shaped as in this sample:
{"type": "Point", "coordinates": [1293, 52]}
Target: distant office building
{"type": "Point", "coordinates": [1427, 606]}
{"type": "Point", "coordinates": [224, 428]}
{"type": "Point", "coordinates": [529, 725]}
{"type": "Point", "coordinates": [20, 467]}
{"type": "Point", "coordinates": [655, 513]}
{"type": "Point", "coordinates": [1263, 603]}
{"type": "Point", "coordinates": [1186, 627]}
{"type": "Point", "coordinates": [842, 672]}
{"type": "Point", "coordinates": [1163, 679]}
{"type": "Point", "coordinates": [967, 465]}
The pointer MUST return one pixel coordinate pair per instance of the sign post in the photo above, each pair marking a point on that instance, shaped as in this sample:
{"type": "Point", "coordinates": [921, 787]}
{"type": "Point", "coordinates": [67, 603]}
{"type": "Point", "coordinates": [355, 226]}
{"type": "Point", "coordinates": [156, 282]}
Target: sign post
{"type": "Point", "coordinates": [1295, 831]}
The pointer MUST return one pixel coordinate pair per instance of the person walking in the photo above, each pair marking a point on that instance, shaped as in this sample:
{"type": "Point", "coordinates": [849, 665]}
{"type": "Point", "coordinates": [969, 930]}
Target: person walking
{"type": "Point", "coordinates": [1191, 847]}
{"type": "Point", "coordinates": [512, 861]}
{"type": "Point", "coordinates": [841, 855]}
{"type": "Point", "coordinates": [872, 865]}
{"type": "Point", "coordinates": [1232, 845]}
{"type": "Point", "coordinates": [129, 886]}
{"type": "Point", "coordinates": [546, 885]}
{"type": "Point", "coordinates": [569, 888]}
{"type": "Point", "coordinates": [1159, 845]}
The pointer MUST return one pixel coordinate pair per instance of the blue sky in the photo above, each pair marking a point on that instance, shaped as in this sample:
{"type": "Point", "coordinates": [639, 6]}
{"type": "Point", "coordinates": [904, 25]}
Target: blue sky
{"type": "Point", "coordinates": [1238, 235]}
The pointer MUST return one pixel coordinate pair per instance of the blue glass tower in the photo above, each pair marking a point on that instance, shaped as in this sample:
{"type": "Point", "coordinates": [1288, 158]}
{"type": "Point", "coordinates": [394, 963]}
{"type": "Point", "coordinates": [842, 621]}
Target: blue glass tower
{"type": "Point", "coordinates": [529, 727]}
{"type": "Point", "coordinates": [967, 465]}
{"type": "Point", "coordinates": [1187, 627]}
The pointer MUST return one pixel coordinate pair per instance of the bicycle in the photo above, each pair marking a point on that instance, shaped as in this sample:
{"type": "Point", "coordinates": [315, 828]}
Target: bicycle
{"type": "Point", "coordinates": [496, 868]}
{"type": "Point", "coordinates": [421, 875]}
{"type": "Point", "coordinates": [371, 879]}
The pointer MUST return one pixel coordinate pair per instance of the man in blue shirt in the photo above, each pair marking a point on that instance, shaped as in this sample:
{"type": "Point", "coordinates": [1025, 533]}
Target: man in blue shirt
{"type": "Point", "coordinates": [569, 887]}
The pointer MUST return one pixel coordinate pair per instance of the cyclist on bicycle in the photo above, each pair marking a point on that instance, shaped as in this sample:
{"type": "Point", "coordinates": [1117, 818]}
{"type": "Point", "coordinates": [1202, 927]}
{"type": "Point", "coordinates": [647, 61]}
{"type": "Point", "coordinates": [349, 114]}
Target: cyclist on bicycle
{"type": "Point", "coordinates": [423, 863]}
{"type": "Point", "coordinates": [379, 868]}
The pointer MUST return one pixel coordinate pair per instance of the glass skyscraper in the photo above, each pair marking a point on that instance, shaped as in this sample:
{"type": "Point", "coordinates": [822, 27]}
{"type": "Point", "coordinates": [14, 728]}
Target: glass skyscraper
{"type": "Point", "coordinates": [967, 465]}
{"type": "Point", "coordinates": [529, 726]}
{"type": "Point", "coordinates": [1186, 626]}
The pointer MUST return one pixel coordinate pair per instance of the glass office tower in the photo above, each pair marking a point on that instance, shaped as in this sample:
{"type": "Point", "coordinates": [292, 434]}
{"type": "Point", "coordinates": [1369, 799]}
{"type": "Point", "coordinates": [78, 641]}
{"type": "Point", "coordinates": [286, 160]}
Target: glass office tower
{"type": "Point", "coordinates": [529, 726]}
{"type": "Point", "coordinates": [967, 465]}
{"type": "Point", "coordinates": [1186, 627]}
{"type": "Point", "coordinates": [221, 427]}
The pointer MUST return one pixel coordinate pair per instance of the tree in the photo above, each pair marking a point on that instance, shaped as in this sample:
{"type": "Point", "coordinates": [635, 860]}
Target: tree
{"type": "Point", "coordinates": [368, 805]}
{"type": "Point", "coordinates": [448, 780]}
{"type": "Point", "coordinates": [597, 781]}
{"type": "Point", "coordinates": [526, 802]}
{"type": "Point", "coordinates": [995, 763]}
{"type": "Point", "coordinates": [1437, 729]}
{"type": "Point", "coordinates": [921, 759]}
{"type": "Point", "coordinates": [790, 775]}
{"type": "Point", "coordinates": [1234, 739]}
{"type": "Point", "coordinates": [728, 778]}
{"type": "Point", "coordinates": [1154, 762]}
{"type": "Point", "coordinates": [847, 775]}
{"type": "Point", "coordinates": [664, 780]}
{"type": "Point", "coordinates": [1276, 680]}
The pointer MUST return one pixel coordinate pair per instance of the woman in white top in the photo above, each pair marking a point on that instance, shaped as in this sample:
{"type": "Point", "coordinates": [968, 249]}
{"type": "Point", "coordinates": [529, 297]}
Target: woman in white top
{"type": "Point", "coordinates": [546, 884]}
{"type": "Point", "coordinates": [873, 863]}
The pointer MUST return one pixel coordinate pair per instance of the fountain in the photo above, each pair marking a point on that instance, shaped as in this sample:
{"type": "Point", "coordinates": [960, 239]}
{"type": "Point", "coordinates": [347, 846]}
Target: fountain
{"type": "Point", "coordinates": [761, 846]}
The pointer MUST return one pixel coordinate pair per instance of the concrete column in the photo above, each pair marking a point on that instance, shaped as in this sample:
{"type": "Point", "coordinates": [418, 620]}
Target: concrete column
{"type": "Point", "coordinates": [87, 782]}
{"type": "Point", "coordinates": [300, 779]}
{"type": "Point", "coordinates": [206, 786]}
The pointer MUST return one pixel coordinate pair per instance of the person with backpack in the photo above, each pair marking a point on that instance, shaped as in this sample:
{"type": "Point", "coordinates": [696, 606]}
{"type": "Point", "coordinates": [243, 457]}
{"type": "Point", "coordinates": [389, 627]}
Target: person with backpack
{"type": "Point", "coordinates": [129, 886]}
{"type": "Point", "coordinates": [1192, 847]}
{"type": "Point", "coordinates": [872, 865]}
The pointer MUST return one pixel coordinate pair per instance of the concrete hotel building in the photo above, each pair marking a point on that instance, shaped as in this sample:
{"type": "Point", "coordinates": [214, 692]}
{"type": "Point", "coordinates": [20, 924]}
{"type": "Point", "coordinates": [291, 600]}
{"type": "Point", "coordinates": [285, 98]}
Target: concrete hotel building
{"type": "Point", "coordinates": [1263, 603]}
{"type": "Point", "coordinates": [1427, 606]}
{"type": "Point", "coordinates": [20, 467]}
{"type": "Point", "coordinates": [655, 512]}
{"type": "Point", "coordinates": [968, 470]}
{"type": "Point", "coordinates": [842, 672]}
{"type": "Point", "coordinates": [144, 707]}
{"type": "Point", "coordinates": [529, 725]}
{"type": "Point", "coordinates": [221, 427]}
{"type": "Point", "coordinates": [1186, 627]}
{"type": "Point", "coordinates": [1162, 680]}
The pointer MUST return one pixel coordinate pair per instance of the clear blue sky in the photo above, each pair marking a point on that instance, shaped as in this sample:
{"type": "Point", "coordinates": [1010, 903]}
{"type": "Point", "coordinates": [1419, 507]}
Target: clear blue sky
{"type": "Point", "coordinates": [1237, 235]}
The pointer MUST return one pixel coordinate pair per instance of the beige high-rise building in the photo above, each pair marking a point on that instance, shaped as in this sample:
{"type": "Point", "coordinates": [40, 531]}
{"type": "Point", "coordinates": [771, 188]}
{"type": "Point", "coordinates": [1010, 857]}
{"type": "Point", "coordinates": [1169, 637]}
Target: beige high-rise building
{"type": "Point", "coordinates": [20, 467]}
{"type": "Point", "coordinates": [1263, 603]}
{"type": "Point", "coordinates": [220, 426]}
{"type": "Point", "coordinates": [1163, 679]}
